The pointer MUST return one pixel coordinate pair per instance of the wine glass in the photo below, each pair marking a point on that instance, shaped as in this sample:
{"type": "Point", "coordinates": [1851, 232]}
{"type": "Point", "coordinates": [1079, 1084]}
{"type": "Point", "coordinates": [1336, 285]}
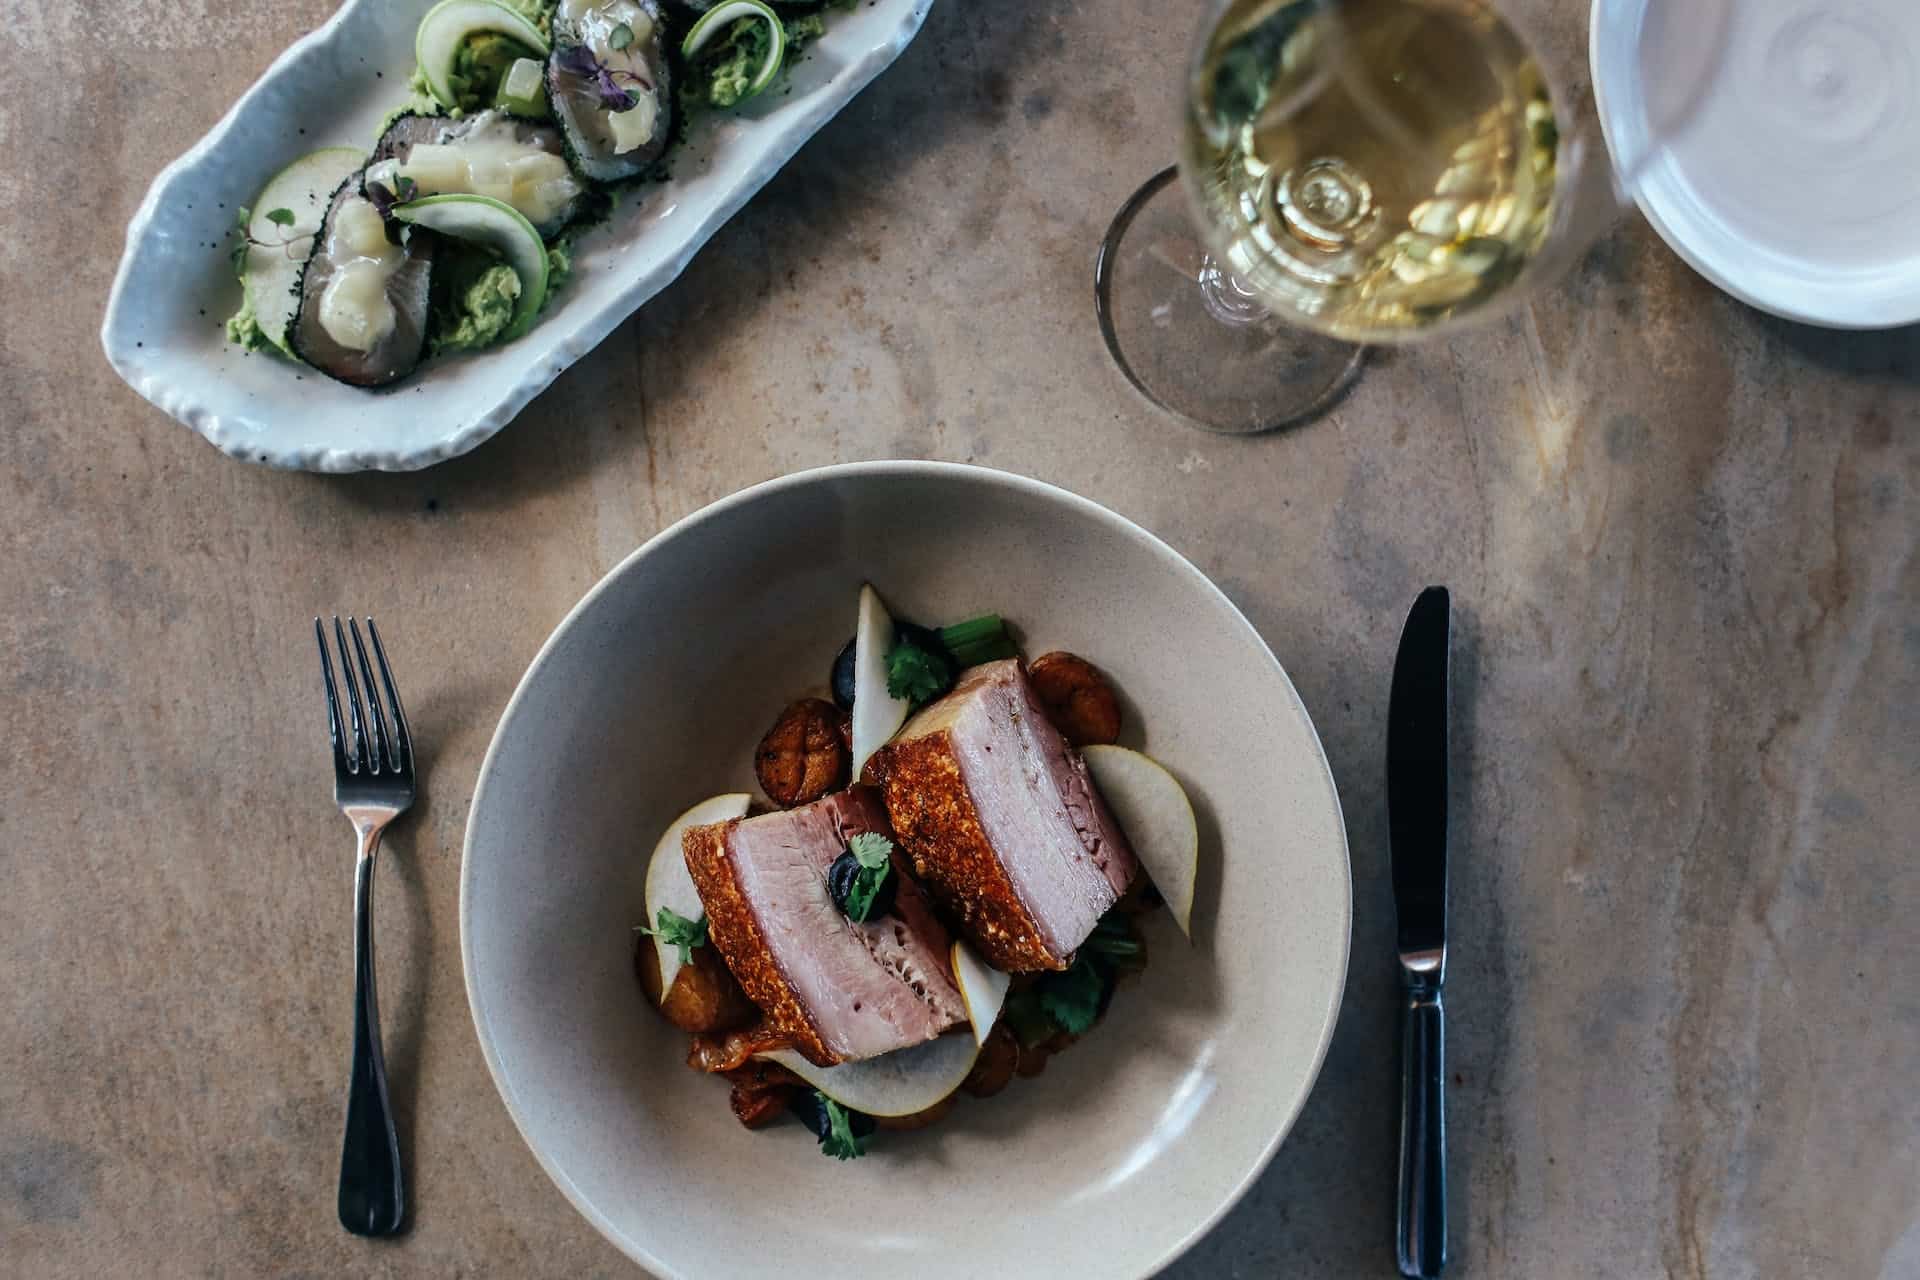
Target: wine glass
{"type": "Point", "coordinates": [1364, 171]}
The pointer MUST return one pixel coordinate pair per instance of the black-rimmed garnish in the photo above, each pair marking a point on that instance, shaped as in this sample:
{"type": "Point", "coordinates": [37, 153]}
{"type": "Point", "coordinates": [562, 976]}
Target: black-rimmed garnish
{"type": "Point", "coordinates": [861, 880]}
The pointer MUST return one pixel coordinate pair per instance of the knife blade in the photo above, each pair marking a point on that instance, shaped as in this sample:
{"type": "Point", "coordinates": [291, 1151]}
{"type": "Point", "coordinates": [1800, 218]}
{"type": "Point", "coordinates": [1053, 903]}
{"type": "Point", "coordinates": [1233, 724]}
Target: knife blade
{"type": "Point", "coordinates": [1417, 832]}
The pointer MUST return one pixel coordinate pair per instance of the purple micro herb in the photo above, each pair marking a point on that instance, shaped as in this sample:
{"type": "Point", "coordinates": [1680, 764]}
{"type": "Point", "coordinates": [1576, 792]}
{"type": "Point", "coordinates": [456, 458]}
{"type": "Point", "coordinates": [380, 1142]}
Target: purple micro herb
{"type": "Point", "coordinates": [384, 198]}
{"type": "Point", "coordinates": [579, 59]}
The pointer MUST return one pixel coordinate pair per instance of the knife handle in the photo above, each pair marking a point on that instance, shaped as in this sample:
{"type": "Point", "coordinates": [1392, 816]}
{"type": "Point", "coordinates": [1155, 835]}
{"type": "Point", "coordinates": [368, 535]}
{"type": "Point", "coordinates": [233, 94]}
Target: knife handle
{"type": "Point", "coordinates": [1423, 1134]}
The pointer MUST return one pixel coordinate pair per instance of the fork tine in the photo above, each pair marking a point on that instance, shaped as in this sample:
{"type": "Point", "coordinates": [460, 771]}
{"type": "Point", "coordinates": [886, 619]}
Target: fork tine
{"type": "Point", "coordinates": [403, 740]}
{"type": "Point", "coordinates": [384, 760]}
{"type": "Point", "coordinates": [361, 763]}
{"type": "Point", "coordinates": [334, 734]}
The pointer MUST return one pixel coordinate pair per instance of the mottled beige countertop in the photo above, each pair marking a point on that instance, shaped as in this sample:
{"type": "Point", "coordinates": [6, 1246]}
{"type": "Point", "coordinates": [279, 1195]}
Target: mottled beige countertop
{"type": "Point", "coordinates": [1686, 975]}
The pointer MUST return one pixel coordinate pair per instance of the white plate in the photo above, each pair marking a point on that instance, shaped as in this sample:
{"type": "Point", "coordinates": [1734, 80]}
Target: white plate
{"type": "Point", "coordinates": [1795, 183]}
{"type": "Point", "coordinates": [163, 330]}
{"type": "Point", "coordinates": [652, 694]}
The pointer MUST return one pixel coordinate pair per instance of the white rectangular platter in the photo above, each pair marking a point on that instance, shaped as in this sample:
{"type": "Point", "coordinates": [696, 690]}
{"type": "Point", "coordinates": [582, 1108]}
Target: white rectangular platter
{"type": "Point", "coordinates": [163, 331]}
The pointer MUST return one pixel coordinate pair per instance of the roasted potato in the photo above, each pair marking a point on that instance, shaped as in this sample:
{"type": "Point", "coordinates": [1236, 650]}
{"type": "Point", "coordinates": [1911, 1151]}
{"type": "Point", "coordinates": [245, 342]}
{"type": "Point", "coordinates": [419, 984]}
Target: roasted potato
{"type": "Point", "coordinates": [761, 1091]}
{"type": "Point", "coordinates": [804, 755]}
{"type": "Point", "coordinates": [993, 1069]}
{"type": "Point", "coordinates": [705, 999]}
{"type": "Point", "coordinates": [1079, 700]}
{"type": "Point", "coordinates": [756, 1108]}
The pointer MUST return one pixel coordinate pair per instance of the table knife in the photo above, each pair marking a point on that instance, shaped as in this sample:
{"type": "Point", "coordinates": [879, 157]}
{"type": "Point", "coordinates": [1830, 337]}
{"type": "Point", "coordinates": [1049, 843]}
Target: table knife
{"type": "Point", "coordinates": [1417, 828]}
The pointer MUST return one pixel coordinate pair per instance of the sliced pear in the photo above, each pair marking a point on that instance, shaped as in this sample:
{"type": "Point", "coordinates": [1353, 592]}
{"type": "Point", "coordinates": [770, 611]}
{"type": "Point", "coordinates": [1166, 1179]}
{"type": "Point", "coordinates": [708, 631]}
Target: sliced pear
{"type": "Point", "coordinates": [1154, 812]}
{"type": "Point", "coordinates": [983, 987]}
{"type": "Point", "coordinates": [668, 882]}
{"type": "Point", "coordinates": [902, 1083]}
{"type": "Point", "coordinates": [877, 714]}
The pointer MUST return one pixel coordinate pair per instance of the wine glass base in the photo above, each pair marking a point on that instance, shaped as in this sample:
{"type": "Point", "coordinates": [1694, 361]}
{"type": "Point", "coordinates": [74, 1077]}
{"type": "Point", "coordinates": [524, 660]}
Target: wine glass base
{"type": "Point", "coordinates": [1192, 340]}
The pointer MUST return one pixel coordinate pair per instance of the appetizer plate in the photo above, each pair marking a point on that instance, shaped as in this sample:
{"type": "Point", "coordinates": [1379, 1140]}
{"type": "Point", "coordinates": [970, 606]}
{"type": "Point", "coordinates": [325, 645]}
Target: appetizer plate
{"type": "Point", "coordinates": [1792, 179]}
{"type": "Point", "coordinates": [163, 331]}
{"type": "Point", "coordinates": [651, 695]}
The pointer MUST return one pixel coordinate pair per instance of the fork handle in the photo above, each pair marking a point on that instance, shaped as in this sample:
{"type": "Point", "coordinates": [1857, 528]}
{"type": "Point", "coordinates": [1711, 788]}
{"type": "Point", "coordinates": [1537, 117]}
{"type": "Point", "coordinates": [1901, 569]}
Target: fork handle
{"type": "Point", "coordinates": [372, 1195]}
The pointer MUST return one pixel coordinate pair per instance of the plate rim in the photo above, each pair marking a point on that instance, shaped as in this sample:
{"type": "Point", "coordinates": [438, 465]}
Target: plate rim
{"type": "Point", "coordinates": [1142, 1269]}
{"type": "Point", "coordinates": [1816, 307]}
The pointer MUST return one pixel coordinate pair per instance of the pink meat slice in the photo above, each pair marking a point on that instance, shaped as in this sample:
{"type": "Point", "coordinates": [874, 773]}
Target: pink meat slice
{"type": "Point", "coordinates": [1056, 840]}
{"type": "Point", "coordinates": [1003, 822]}
{"type": "Point", "coordinates": [868, 988]}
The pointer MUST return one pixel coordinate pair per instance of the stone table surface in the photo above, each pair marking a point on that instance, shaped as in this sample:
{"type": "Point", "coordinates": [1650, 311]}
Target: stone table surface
{"type": "Point", "coordinates": [1686, 982]}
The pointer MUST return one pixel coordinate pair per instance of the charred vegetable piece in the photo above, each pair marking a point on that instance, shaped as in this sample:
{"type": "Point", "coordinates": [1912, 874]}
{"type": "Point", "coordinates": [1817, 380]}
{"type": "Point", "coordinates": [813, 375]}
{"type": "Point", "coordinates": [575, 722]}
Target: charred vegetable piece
{"type": "Point", "coordinates": [364, 293]}
{"type": "Point", "coordinates": [1079, 700]}
{"type": "Point", "coordinates": [804, 755]}
{"type": "Point", "coordinates": [607, 84]}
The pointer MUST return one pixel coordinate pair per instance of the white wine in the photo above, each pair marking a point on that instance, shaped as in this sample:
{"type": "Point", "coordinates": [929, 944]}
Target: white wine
{"type": "Point", "coordinates": [1371, 168]}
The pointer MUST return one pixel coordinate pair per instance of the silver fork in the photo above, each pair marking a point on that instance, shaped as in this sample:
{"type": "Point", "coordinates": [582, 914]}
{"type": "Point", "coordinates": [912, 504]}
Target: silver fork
{"type": "Point", "coordinates": [373, 783]}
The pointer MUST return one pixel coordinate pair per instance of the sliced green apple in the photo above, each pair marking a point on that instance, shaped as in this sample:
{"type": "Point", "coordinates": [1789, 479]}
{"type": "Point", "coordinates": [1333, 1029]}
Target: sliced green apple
{"type": "Point", "coordinates": [877, 714]}
{"type": "Point", "coordinates": [982, 987]}
{"type": "Point", "coordinates": [668, 882]}
{"type": "Point", "coordinates": [1153, 810]}
{"type": "Point", "coordinates": [284, 219]}
{"type": "Point", "coordinates": [901, 1083]}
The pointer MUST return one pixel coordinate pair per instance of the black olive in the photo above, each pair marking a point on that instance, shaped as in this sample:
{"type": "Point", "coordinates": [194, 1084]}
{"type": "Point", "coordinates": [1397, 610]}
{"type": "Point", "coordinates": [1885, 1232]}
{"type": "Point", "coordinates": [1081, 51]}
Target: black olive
{"type": "Point", "coordinates": [811, 1109]}
{"type": "Point", "coordinates": [840, 878]}
{"type": "Point", "coordinates": [843, 678]}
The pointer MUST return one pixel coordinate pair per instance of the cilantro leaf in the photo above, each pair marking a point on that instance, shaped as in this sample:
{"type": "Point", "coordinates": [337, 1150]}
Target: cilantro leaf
{"type": "Point", "coordinates": [872, 849]}
{"type": "Point", "coordinates": [1072, 999]}
{"type": "Point", "coordinates": [860, 880]}
{"type": "Point", "coordinates": [863, 898]}
{"type": "Point", "coordinates": [280, 217]}
{"type": "Point", "coordinates": [840, 1141]}
{"type": "Point", "coordinates": [676, 930]}
{"type": "Point", "coordinates": [917, 674]}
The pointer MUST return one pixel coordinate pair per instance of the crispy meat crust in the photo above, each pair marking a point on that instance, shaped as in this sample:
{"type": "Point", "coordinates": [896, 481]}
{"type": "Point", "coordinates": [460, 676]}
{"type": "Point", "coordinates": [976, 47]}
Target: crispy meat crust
{"type": "Point", "coordinates": [733, 929]}
{"type": "Point", "coordinates": [937, 826]}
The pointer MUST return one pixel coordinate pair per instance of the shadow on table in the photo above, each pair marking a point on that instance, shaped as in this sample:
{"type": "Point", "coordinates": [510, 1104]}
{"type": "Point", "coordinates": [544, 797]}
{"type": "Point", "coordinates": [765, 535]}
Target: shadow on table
{"type": "Point", "coordinates": [952, 84]}
{"type": "Point", "coordinates": [1325, 1207]}
{"type": "Point", "coordinates": [1890, 355]}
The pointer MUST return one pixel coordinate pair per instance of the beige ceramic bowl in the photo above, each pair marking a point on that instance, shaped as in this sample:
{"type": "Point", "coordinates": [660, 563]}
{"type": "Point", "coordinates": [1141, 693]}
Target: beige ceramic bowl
{"type": "Point", "coordinates": [651, 695]}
